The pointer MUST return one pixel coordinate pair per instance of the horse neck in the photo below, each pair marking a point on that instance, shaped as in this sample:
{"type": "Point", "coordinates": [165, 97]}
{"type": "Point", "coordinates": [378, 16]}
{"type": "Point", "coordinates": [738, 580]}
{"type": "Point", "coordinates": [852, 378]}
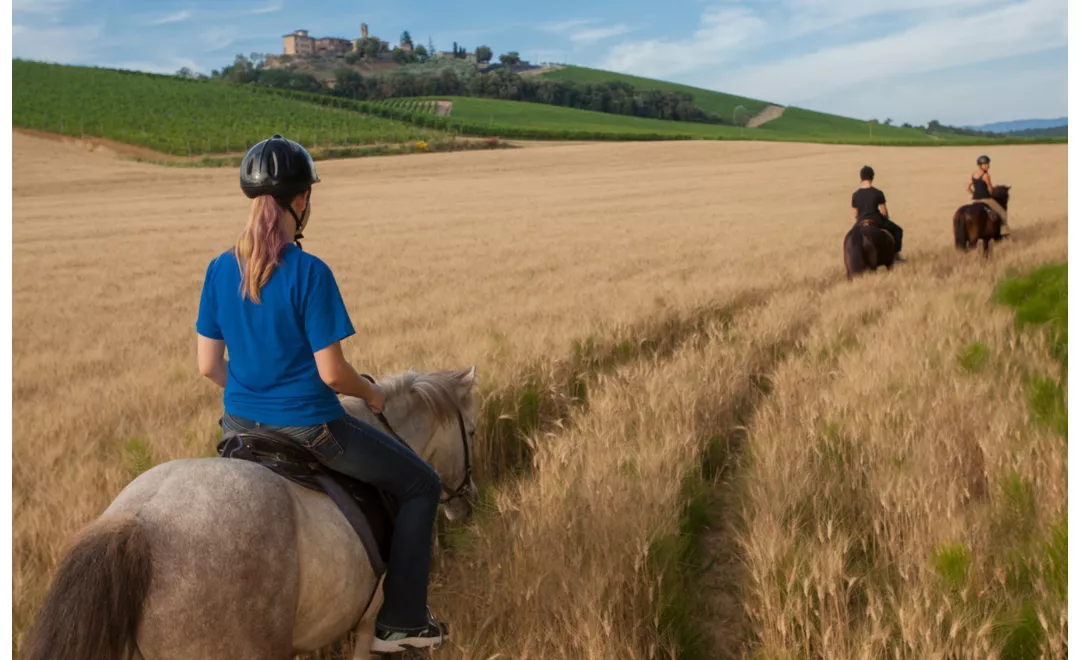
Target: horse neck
{"type": "Point", "coordinates": [410, 420]}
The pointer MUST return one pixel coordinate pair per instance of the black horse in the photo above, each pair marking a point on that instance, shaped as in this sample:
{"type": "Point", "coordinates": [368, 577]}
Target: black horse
{"type": "Point", "coordinates": [975, 221]}
{"type": "Point", "coordinates": [867, 247]}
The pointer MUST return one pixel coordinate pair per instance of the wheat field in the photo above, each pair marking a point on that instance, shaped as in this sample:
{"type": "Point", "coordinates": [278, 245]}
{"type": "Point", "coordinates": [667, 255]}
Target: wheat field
{"type": "Point", "coordinates": [696, 438]}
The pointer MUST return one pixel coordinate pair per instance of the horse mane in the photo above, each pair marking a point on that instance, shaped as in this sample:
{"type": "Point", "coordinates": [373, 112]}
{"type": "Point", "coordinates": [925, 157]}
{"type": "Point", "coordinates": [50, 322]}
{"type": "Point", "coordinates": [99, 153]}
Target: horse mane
{"type": "Point", "coordinates": [440, 391]}
{"type": "Point", "coordinates": [1001, 194]}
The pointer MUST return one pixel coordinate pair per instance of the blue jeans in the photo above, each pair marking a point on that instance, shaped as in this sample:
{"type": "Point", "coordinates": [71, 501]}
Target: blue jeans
{"type": "Point", "coordinates": [359, 450]}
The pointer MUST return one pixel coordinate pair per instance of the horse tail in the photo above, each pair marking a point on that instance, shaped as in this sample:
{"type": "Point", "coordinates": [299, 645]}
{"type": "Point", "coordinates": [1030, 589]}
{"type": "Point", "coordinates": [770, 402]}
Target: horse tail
{"type": "Point", "coordinates": [853, 252]}
{"type": "Point", "coordinates": [960, 233]}
{"type": "Point", "coordinates": [95, 603]}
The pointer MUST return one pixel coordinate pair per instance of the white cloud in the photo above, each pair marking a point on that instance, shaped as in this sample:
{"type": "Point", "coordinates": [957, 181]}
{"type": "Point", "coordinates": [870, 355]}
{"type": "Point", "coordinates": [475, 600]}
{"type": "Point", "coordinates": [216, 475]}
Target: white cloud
{"type": "Point", "coordinates": [559, 27]}
{"type": "Point", "coordinates": [940, 43]}
{"type": "Point", "coordinates": [729, 29]}
{"type": "Point", "coordinates": [592, 35]}
{"type": "Point", "coordinates": [178, 17]}
{"type": "Point", "coordinates": [724, 30]}
{"type": "Point", "coordinates": [40, 6]}
{"type": "Point", "coordinates": [585, 31]}
{"type": "Point", "coordinates": [218, 38]}
{"type": "Point", "coordinates": [956, 97]}
{"type": "Point", "coordinates": [55, 44]}
{"type": "Point", "coordinates": [274, 6]}
{"type": "Point", "coordinates": [803, 51]}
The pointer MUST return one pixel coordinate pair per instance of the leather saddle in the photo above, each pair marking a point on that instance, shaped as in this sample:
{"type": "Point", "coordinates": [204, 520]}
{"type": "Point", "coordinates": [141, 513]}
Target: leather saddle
{"type": "Point", "coordinates": [369, 510]}
{"type": "Point", "coordinates": [994, 215]}
{"type": "Point", "coordinates": [874, 224]}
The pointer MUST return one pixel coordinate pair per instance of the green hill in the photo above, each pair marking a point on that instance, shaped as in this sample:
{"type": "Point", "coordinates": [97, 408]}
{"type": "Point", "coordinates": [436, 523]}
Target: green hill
{"type": "Point", "coordinates": [715, 102]}
{"type": "Point", "coordinates": [795, 123]}
{"type": "Point", "coordinates": [181, 117]}
{"type": "Point", "coordinates": [493, 115]}
{"type": "Point", "coordinates": [816, 126]}
{"type": "Point", "coordinates": [1054, 131]}
{"type": "Point", "coordinates": [512, 119]}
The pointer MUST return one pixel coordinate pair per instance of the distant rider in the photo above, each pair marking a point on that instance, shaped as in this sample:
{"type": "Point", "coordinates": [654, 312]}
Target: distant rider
{"type": "Point", "coordinates": [868, 203]}
{"type": "Point", "coordinates": [981, 190]}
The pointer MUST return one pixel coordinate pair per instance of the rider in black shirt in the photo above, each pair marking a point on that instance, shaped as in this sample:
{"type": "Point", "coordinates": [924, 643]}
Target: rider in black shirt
{"type": "Point", "coordinates": [868, 203]}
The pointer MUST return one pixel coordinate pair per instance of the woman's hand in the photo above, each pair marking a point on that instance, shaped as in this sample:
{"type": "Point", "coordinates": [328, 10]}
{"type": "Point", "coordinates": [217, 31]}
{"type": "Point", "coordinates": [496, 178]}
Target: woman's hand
{"type": "Point", "coordinates": [377, 399]}
{"type": "Point", "coordinates": [341, 377]}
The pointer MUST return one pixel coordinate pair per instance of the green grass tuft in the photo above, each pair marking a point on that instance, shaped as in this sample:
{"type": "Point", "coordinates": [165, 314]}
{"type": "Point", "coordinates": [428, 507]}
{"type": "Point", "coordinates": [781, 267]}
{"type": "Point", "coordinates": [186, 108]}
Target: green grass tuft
{"type": "Point", "coordinates": [139, 456]}
{"type": "Point", "coordinates": [676, 559]}
{"type": "Point", "coordinates": [1022, 633]}
{"type": "Point", "coordinates": [953, 563]}
{"type": "Point", "coordinates": [1046, 398]}
{"type": "Point", "coordinates": [1056, 566]}
{"type": "Point", "coordinates": [1017, 514]}
{"type": "Point", "coordinates": [1041, 298]}
{"type": "Point", "coordinates": [973, 357]}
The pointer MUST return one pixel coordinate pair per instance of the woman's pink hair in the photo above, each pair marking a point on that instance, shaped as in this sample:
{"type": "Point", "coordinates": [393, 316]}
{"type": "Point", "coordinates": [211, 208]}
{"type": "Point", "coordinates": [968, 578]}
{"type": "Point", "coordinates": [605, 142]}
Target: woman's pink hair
{"type": "Point", "coordinates": [261, 245]}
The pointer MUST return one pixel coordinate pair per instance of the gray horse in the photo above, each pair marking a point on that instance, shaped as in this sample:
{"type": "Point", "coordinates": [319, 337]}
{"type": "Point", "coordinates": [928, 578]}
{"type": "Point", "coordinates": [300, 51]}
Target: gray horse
{"type": "Point", "coordinates": [221, 558]}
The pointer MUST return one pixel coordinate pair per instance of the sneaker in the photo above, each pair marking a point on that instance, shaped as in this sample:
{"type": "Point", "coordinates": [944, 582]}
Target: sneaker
{"type": "Point", "coordinates": [392, 641]}
{"type": "Point", "coordinates": [899, 260]}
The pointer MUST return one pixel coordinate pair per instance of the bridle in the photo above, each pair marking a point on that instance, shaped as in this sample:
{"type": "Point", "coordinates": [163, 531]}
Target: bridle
{"type": "Point", "coordinates": [462, 491]}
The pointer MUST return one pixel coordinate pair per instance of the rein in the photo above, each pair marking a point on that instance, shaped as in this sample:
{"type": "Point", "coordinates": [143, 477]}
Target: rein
{"type": "Point", "coordinates": [461, 490]}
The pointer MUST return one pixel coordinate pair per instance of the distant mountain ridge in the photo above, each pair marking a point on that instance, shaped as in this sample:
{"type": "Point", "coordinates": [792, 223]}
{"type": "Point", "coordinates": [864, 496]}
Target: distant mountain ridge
{"type": "Point", "coordinates": [1021, 125]}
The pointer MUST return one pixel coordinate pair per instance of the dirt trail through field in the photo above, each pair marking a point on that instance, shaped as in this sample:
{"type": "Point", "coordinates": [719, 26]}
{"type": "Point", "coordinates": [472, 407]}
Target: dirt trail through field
{"type": "Point", "coordinates": [769, 113]}
{"type": "Point", "coordinates": [497, 258]}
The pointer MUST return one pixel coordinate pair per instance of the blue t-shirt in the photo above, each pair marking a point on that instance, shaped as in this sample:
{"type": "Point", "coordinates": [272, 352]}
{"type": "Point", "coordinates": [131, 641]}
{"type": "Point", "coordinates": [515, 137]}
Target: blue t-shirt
{"type": "Point", "coordinates": [273, 378]}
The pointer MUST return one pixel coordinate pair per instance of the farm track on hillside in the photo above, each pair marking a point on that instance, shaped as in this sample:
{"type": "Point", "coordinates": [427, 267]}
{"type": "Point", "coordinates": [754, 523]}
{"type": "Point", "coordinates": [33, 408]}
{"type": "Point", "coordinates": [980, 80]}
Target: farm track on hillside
{"type": "Point", "coordinates": [769, 113]}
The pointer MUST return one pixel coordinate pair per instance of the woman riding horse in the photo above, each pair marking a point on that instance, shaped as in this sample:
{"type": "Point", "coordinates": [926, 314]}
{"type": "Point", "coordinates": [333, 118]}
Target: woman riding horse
{"type": "Point", "coordinates": [982, 191]}
{"type": "Point", "coordinates": [279, 313]}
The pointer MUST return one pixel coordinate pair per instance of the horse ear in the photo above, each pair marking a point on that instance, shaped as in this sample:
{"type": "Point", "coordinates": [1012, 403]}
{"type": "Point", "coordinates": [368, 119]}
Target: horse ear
{"type": "Point", "coordinates": [467, 379]}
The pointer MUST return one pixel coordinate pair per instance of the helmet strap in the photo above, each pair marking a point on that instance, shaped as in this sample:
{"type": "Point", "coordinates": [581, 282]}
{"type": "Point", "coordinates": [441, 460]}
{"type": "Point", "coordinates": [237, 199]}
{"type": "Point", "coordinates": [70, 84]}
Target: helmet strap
{"type": "Point", "coordinates": [299, 234]}
{"type": "Point", "coordinates": [299, 219]}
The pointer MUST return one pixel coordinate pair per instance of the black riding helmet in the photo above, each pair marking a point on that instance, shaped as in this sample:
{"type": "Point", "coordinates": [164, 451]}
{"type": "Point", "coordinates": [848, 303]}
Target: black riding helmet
{"type": "Point", "coordinates": [280, 168]}
{"type": "Point", "coordinates": [983, 159]}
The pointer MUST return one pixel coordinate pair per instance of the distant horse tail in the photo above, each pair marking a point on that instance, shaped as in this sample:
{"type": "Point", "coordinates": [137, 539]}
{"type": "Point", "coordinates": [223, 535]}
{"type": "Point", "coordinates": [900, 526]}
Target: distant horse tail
{"type": "Point", "coordinates": [853, 252]}
{"type": "Point", "coordinates": [93, 609]}
{"type": "Point", "coordinates": [960, 229]}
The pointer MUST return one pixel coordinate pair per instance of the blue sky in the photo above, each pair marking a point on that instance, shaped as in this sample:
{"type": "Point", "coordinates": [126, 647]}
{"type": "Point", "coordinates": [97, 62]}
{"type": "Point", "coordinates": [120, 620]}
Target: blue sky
{"type": "Point", "coordinates": [957, 61]}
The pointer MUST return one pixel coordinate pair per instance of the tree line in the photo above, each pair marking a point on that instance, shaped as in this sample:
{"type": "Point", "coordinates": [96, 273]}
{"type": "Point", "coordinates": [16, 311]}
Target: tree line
{"type": "Point", "coordinates": [456, 77]}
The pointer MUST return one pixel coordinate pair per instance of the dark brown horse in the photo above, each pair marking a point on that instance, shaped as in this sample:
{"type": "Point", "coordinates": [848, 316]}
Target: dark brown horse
{"type": "Point", "coordinates": [867, 247]}
{"type": "Point", "coordinates": [975, 222]}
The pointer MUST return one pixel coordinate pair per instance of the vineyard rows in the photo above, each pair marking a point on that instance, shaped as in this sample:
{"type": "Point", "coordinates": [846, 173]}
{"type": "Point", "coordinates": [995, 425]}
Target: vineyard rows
{"type": "Point", "coordinates": [183, 117]}
{"type": "Point", "coordinates": [410, 105]}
